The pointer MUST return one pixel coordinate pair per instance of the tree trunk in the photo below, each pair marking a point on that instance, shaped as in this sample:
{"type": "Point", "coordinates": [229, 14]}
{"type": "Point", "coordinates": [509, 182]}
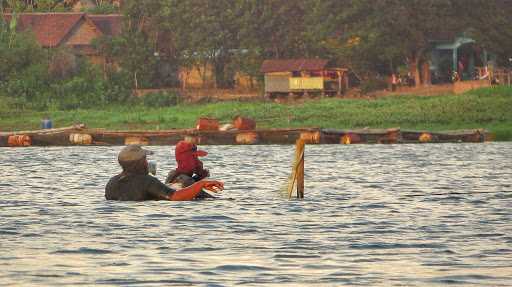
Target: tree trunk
{"type": "Point", "coordinates": [218, 69]}
{"type": "Point", "coordinates": [425, 67]}
{"type": "Point", "coordinates": [135, 81]}
{"type": "Point", "coordinates": [414, 68]}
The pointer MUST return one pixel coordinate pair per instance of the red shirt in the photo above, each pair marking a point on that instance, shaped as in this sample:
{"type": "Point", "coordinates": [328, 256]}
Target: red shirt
{"type": "Point", "coordinates": [187, 158]}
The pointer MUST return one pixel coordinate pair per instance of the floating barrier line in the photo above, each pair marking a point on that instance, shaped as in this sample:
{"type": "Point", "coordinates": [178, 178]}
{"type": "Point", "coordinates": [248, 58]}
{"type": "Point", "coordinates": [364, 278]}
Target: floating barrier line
{"type": "Point", "coordinates": [61, 136]}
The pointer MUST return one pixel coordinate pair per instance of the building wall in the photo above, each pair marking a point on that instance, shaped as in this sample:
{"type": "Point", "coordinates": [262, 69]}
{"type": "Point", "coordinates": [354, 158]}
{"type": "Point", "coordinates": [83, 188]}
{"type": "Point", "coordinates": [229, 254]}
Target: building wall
{"type": "Point", "coordinates": [277, 82]}
{"type": "Point", "coordinates": [191, 78]}
{"type": "Point", "coordinates": [96, 60]}
{"type": "Point", "coordinates": [82, 34]}
{"type": "Point", "coordinates": [306, 83]}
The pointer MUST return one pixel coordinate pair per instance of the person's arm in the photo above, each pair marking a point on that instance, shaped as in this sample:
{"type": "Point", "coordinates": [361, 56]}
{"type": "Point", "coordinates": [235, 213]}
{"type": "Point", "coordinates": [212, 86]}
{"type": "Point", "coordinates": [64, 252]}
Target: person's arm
{"type": "Point", "coordinates": [158, 190]}
{"type": "Point", "coordinates": [190, 192]}
{"type": "Point", "coordinates": [163, 192]}
{"type": "Point", "coordinates": [171, 176]}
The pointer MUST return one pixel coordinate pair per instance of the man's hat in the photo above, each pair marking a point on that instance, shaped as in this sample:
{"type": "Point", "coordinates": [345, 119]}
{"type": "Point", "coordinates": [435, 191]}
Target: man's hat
{"type": "Point", "coordinates": [183, 147]}
{"type": "Point", "coordinates": [132, 153]}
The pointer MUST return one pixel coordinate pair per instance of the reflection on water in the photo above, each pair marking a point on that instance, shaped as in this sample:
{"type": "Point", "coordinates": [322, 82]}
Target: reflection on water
{"type": "Point", "coordinates": [404, 215]}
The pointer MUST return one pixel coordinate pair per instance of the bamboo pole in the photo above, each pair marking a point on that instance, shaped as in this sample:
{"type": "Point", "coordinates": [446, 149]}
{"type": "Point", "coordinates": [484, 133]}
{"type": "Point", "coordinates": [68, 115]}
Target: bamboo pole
{"type": "Point", "coordinates": [297, 179]}
{"type": "Point", "coordinates": [46, 131]}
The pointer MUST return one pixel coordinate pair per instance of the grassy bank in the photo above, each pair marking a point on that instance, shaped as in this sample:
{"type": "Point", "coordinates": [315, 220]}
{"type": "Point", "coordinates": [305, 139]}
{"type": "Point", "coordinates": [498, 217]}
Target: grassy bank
{"type": "Point", "coordinates": [486, 108]}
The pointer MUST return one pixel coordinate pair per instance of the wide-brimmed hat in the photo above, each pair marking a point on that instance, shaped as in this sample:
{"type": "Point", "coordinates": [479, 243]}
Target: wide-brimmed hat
{"type": "Point", "coordinates": [132, 153]}
{"type": "Point", "coordinates": [184, 147]}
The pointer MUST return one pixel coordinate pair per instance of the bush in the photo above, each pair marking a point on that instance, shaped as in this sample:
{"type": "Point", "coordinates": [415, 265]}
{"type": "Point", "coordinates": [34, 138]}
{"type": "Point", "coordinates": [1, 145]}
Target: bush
{"type": "Point", "coordinates": [373, 84]}
{"type": "Point", "coordinates": [161, 99]}
{"type": "Point", "coordinates": [103, 8]}
{"type": "Point", "coordinates": [117, 88]}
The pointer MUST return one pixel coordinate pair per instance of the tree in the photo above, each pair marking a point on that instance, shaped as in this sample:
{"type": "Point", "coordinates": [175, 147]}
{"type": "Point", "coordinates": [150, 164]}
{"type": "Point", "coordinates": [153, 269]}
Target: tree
{"type": "Point", "coordinates": [391, 31]}
{"type": "Point", "coordinates": [34, 5]}
{"type": "Point", "coordinates": [490, 26]}
{"type": "Point", "coordinates": [132, 50]}
{"type": "Point", "coordinates": [376, 35]}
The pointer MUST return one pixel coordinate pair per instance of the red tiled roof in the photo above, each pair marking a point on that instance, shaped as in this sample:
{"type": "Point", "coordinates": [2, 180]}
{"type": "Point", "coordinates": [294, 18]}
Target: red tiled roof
{"type": "Point", "coordinates": [49, 28]}
{"type": "Point", "coordinates": [290, 65]}
{"type": "Point", "coordinates": [110, 25]}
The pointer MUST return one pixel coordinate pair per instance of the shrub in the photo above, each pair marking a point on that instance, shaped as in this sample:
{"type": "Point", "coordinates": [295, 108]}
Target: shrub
{"type": "Point", "coordinates": [161, 99]}
{"type": "Point", "coordinates": [373, 84]}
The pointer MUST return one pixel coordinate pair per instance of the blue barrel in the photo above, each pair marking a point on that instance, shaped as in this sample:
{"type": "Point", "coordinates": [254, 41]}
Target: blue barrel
{"type": "Point", "coordinates": [46, 124]}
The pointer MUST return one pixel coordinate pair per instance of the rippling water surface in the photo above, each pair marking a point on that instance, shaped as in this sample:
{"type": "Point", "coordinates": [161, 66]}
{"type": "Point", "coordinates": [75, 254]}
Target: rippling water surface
{"type": "Point", "coordinates": [403, 215]}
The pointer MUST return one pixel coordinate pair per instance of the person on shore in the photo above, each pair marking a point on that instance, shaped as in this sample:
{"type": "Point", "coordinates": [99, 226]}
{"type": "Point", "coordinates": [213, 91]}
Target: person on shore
{"type": "Point", "coordinates": [190, 168]}
{"type": "Point", "coordinates": [135, 184]}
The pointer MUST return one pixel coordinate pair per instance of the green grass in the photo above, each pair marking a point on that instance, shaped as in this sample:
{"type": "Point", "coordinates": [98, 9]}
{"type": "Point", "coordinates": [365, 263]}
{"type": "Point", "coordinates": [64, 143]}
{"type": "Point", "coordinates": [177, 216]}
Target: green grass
{"type": "Point", "coordinates": [489, 108]}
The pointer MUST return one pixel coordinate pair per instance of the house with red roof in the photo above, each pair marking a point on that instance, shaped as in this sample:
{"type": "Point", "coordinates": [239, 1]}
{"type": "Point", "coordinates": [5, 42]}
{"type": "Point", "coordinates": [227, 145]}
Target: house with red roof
{"type": "Point", "coordinates": [75, 31]}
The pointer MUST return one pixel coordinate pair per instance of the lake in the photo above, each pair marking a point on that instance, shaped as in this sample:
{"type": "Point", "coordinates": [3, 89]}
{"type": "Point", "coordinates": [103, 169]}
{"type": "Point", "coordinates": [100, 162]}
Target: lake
{"type": "Point", "coordinates": [373, 215]}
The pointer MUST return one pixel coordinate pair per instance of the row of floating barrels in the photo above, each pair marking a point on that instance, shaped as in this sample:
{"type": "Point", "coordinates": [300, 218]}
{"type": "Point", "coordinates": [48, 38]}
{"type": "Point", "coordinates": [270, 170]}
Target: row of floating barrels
{"type": "Point", "coordinates": [74, 139]}
{"type": "Point", "coordinates": [26, 140]}
{"type": "Point", "coordinates": [243, 138]}
{"type": "Point", "coordinates": [315, 137]}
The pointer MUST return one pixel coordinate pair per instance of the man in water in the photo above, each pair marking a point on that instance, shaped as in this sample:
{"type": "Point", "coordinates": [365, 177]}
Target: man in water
{"type": "Point", "coordinates": [135, 184]}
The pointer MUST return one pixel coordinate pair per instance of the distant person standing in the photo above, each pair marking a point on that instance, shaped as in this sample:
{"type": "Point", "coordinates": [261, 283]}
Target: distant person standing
{"type": "Point", "coordinates": [46, 123]}
{"type": "Point", "coordinates": [394, 82]}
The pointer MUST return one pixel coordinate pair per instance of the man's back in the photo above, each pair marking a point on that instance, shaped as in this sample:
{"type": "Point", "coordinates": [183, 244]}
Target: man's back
{"type": "Point", "coordinates": [136, 187]}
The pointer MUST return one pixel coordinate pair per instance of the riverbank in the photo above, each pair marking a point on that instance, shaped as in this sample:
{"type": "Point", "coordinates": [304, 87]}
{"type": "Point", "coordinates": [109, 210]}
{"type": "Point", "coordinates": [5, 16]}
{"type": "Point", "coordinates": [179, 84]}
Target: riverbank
{"type": "Point", "coordinates": [489, 109]}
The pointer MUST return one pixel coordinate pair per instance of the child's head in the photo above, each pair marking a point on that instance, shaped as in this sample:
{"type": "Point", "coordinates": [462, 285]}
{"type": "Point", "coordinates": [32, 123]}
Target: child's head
{"type": "Point", "coordinates": [186, 149]}
{"type": "Point", "coordinates": [187, 157]}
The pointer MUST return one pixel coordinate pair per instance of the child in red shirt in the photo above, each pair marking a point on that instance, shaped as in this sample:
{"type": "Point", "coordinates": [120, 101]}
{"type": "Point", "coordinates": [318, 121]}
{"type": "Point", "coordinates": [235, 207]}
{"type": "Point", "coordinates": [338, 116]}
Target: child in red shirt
{"type": "Point", "coordinates": [190, 168]}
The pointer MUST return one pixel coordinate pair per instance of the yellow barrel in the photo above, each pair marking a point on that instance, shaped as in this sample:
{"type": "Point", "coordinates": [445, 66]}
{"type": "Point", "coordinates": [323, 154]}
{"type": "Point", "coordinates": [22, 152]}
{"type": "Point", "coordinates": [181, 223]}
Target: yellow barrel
{"type": "Point", "coordinates": [80, 139]}
{"type": "Point", "coordinates": [350, 139]}
{"type": "Point", "coordinates": [425, 138]}
{"type": "Point", "coordinates": [136, 140]}
{"type": "Point", "coordinates": [346, 139]}
{"type": "Point", "coordinates": [247, 138]}
{"type": "Point", "coordinates": [19, 140]}
{"type": "Point", "coordinates": [311, 137]}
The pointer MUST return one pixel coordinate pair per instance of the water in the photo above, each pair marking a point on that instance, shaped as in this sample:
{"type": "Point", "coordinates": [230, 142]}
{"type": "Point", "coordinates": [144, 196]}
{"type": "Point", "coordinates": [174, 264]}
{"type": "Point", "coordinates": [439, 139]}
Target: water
{"type": "Point", "coordinates": [380, 215]}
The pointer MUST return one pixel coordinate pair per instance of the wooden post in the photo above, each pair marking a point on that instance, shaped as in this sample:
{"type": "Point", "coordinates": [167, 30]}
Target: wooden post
{"type": "Point", "coordinates": [339, 74]}
{"type": "Point", "coordinates": [297, 178]}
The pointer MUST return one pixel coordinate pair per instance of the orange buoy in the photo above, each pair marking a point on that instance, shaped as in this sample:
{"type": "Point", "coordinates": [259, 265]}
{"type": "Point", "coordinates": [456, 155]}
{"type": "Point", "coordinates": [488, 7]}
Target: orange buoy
{"type": "Point", "coordinates": [19, 140]}
{"type": "Point", "coordinates": [246, 138]}
{"type": "Point", "coordinates": [425, 138]}
{"type": "Point", "coordinates": [242, 123]}
{"type": "Point", "coordinates": [345, 139]}
{"type": "Point", "coordinates": [80, 139]}
{"type": "Point", "coordinates": [311, 137]}
{"type": "Point", "coordinates": [207, 124]}
{"type": "Point", "coordinates": [350, 139]}
{"type": "Point", "coordinates": [136, 140]}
